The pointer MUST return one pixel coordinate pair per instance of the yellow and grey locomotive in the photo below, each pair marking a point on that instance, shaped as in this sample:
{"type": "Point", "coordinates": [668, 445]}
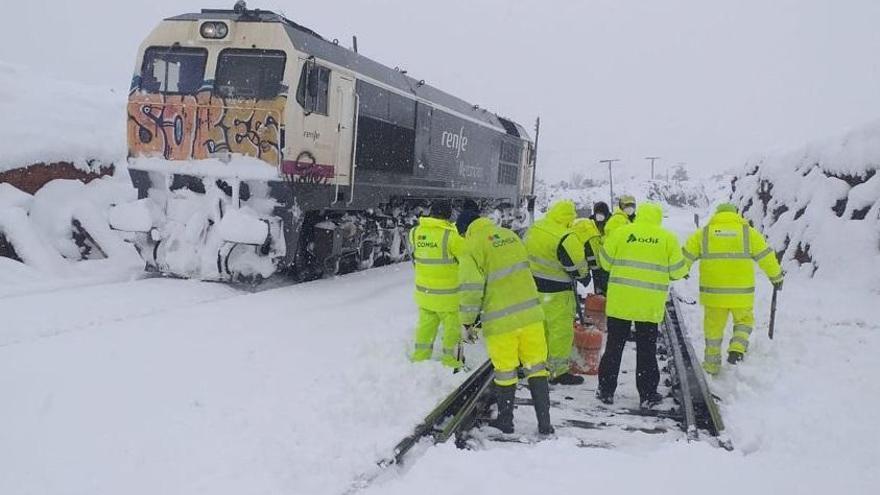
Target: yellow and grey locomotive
{"type": "Point", "coordinates": [256, 145]}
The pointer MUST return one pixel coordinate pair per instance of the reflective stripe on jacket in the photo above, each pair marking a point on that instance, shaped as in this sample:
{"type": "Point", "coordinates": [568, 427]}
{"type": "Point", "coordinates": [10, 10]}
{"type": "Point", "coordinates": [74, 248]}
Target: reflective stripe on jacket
{"type": "Point", "coordinates": [727, 248]}
{"type": "Point", "coordinates": [436, 247]}
{"type": "Point", "coordinates": [496, 283]}
{"type": "Point", "coordinates": [546, 240]}
{"type": "Point", "coordinates": [642, 258]}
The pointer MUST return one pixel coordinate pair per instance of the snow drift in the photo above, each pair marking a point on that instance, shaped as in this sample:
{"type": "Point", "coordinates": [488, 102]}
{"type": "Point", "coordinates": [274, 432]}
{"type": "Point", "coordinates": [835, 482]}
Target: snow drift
{"type": "Point", "coordinates": [47, 120]}
{"type": "Point", "coordinates": [819, 205]}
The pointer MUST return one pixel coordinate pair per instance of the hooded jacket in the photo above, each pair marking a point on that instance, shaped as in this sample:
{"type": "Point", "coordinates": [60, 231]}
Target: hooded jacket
{"type": "Point", "coordinates": [436, 247]}
{"type": "Point", "coordinates": [641, 258]}
{"type": "Point", "coordinates": [556, 257]}
{"type": "Point", "coordinates": [496, 283]}
{"type": "Point", "coordinates": [728, 248]}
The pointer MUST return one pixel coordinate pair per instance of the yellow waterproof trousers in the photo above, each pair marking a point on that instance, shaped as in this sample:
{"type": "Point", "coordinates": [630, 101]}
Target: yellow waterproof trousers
{"type": "Point", "coordinates": [524, 347]}
{"type": "Point", "coordinates": [559, 310]}
{"type": "Point", "coordinates": [714, 322]}
{"type": "Point", "coordinates": [426, 331]}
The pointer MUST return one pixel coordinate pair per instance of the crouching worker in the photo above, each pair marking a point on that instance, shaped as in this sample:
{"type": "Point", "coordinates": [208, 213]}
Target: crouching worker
{"type": "Point", "coordinates": [436, 247]}
{"type": "Point", "coordinates": [497, 287]}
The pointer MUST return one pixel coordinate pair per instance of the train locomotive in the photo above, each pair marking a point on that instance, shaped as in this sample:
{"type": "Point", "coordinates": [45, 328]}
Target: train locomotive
{"type": "Point", "coordinates": [258, 147]}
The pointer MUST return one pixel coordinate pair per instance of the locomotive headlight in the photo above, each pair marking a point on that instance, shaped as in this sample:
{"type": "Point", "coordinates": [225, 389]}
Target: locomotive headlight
{"type": "Point", "coordinates": [214, 30]}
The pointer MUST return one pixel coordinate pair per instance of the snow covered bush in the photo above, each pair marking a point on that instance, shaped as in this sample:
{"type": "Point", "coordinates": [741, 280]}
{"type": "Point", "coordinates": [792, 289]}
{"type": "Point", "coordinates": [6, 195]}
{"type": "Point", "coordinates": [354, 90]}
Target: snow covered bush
{"type": "Point", "coordinates": [820, 205]}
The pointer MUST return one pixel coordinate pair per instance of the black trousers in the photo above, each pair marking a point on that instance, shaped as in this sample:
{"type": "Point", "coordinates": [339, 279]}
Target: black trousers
{"type": "Point", "coordinates": [647, 372]}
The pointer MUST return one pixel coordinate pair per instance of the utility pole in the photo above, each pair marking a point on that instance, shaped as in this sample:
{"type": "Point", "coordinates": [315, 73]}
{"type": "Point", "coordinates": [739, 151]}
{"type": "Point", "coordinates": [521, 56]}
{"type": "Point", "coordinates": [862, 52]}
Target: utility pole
{"type": "Point", "coordinates": [652, 158]}
{"type": "Point", "coordinates": [610, 178]}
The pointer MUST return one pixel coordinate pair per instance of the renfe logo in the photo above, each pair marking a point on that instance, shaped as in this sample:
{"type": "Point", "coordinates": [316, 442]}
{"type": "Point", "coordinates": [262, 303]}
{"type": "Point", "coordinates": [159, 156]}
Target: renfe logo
{"type": "Point", "coordinates": [457, 142]}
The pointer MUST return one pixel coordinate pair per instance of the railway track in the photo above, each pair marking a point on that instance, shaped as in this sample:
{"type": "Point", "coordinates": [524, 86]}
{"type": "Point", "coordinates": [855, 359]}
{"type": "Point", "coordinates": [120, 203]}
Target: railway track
{"type": "Point", "coordinates": [688, 412]}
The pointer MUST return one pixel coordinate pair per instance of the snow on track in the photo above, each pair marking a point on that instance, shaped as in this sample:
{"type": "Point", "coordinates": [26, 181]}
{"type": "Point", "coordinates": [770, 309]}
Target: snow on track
{"type": "Point", "coordinates": [294, 390]}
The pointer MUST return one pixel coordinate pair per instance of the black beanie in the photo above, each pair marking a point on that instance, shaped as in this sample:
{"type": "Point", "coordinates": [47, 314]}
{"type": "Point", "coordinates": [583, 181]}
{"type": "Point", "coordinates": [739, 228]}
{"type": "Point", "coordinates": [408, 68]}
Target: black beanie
{"type": "Point", "coordinates": [465, 219]}
{"type": "Point", "coordinates": [441, 209]}
{"type": "Point", "coordinates": [601, 207]}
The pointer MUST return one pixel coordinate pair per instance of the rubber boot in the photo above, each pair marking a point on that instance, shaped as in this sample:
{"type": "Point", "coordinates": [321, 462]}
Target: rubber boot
{"type": "Point", "coordinates": [504, 396]}
{"type": "Point", "coordinates": [567, 379]}
{"type": "Point", "coordinates": [734, 357]}
{"type": "Point", "coordinates": [540, 389]}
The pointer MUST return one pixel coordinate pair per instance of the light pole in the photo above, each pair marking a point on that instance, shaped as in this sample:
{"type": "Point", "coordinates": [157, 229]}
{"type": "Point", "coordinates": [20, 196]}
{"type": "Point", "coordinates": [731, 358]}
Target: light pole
{"type": "Point", "coordinates": [610, 178]}
{"type": "Point", "coordinates": [652, 158]}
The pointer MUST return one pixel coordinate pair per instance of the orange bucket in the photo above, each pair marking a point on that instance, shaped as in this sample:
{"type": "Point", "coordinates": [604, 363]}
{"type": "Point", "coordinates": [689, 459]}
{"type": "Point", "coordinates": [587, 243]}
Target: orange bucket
{"type": "Point", "coordinates": [594, 308]}
{"type": "Point", "coordinates": [588, 347]}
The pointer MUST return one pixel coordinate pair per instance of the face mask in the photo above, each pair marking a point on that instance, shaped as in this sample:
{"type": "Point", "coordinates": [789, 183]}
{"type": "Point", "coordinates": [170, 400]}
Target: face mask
{"type": "Point", "coordinates": [600, 217]}
{"type": "Point", "coordinates": [629, 210]}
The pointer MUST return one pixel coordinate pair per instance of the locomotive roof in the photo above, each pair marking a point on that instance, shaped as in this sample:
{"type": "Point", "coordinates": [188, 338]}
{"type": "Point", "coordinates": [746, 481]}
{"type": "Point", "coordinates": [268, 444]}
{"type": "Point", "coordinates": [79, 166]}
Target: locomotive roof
{"type": "Point", "coordinates": [312, 43]}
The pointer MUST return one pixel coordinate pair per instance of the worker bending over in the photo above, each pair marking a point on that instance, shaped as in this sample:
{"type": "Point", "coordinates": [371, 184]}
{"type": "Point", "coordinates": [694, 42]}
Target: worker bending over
{"type": "Point", "coordinates": [497, 287]}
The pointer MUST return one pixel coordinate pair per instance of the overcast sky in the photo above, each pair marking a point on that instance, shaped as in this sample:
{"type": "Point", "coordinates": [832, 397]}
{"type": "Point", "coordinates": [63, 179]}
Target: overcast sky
{"type": "Point", "coordinates": [702, 82]}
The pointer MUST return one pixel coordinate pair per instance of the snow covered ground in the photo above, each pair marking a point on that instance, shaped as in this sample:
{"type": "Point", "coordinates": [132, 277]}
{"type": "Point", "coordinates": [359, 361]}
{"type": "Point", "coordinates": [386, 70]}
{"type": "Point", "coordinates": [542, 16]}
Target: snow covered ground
{"type": "Point", "coordinates": [171, 386]}
{"type": "Point", "coordinates": [181, 387]}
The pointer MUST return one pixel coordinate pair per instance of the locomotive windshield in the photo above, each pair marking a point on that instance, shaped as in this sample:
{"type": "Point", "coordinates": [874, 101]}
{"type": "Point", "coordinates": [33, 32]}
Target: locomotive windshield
{"type": "Point", "coordinates": [250, 73]}
{"type": "Point", "coordinates": [173, 70]}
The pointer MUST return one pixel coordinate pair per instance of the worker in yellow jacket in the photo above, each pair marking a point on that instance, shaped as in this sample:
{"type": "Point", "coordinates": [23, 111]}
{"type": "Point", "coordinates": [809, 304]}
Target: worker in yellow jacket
{"type": "Point", "coordinates": [436, 248]}
{"type": "Point", "coordinates": [590, 237]}
{"type": "Point", "coordinates": [728, 248]}
{"type": "Point", "coordinates": [497, 287]}
{"type": "Point", "coordinates": [641, 258]}
{"type": "Point", "coordinates": [623, 214]}
{"type": "Point", "coordinates": [556, 258]}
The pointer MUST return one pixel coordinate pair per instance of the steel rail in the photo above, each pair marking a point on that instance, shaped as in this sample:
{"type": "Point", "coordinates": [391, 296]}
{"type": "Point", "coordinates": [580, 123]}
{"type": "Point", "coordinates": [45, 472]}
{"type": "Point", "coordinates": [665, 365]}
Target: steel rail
{"type": "Point", "coordinates": [685, 396]}
{"type": "Point", "coordinates": [701, 402]}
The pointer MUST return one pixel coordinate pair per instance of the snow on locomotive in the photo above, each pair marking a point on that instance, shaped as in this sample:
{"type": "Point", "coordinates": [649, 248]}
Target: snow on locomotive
{"type": "Point", "coordinates": [257, 146]}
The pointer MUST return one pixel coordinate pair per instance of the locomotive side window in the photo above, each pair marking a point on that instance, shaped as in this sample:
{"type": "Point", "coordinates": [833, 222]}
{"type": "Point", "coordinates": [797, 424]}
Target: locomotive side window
{"type": "Point", "coordinates": [255, 74]}
{"type": "Point", "coordinates": [173, 70]}
{"type": "Point", "coordinates": [508, 162]}
{"type": "Point", "coordinates": [314, 85]}
{"type": "Point", "coordinates": [386, 130]}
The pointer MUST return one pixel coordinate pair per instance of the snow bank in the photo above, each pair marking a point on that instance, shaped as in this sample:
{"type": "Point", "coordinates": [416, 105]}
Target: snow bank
{"type": "Point", "coordinates": [47, 120]}
{"type": "Point", "coordinates": [820, 205]}
{"type": "Point", "coordinates": [43, 233]}
{"type": "Point", "coordinates": [690, 195]}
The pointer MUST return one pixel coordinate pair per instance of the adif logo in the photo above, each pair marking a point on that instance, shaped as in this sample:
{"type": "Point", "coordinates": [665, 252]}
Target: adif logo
{"type": "Point", "coordinates": [644, 240]}
{"type": "Point", "coordinates": [457, 142]}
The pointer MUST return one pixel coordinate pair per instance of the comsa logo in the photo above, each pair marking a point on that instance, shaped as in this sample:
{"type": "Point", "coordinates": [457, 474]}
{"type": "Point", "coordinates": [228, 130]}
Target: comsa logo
{"type": "Point", "coordinates": [643, 240]}
{"type": "Point", "coordinates": [498, 241]}
{"type": "Point", "coordinates": [422, 241]}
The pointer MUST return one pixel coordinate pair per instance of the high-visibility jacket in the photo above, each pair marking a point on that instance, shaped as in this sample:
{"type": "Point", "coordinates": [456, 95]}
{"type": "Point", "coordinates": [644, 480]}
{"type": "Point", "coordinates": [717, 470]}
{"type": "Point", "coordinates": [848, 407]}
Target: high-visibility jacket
{"type": "Point", "coordinates": [642, 258]}
{"type": "Point", "coordinates": [588, 235]}
{"type": "Point", "coordinates": [496, 283]}
{"type": "Point", "coordinates": [436, 247]}
{"type": "Point", "coordinates": [727, 248]}
{"type": "Point", "coordinates": [618, 219]}
{"type": "Point", "coordinates": [555, 254]}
